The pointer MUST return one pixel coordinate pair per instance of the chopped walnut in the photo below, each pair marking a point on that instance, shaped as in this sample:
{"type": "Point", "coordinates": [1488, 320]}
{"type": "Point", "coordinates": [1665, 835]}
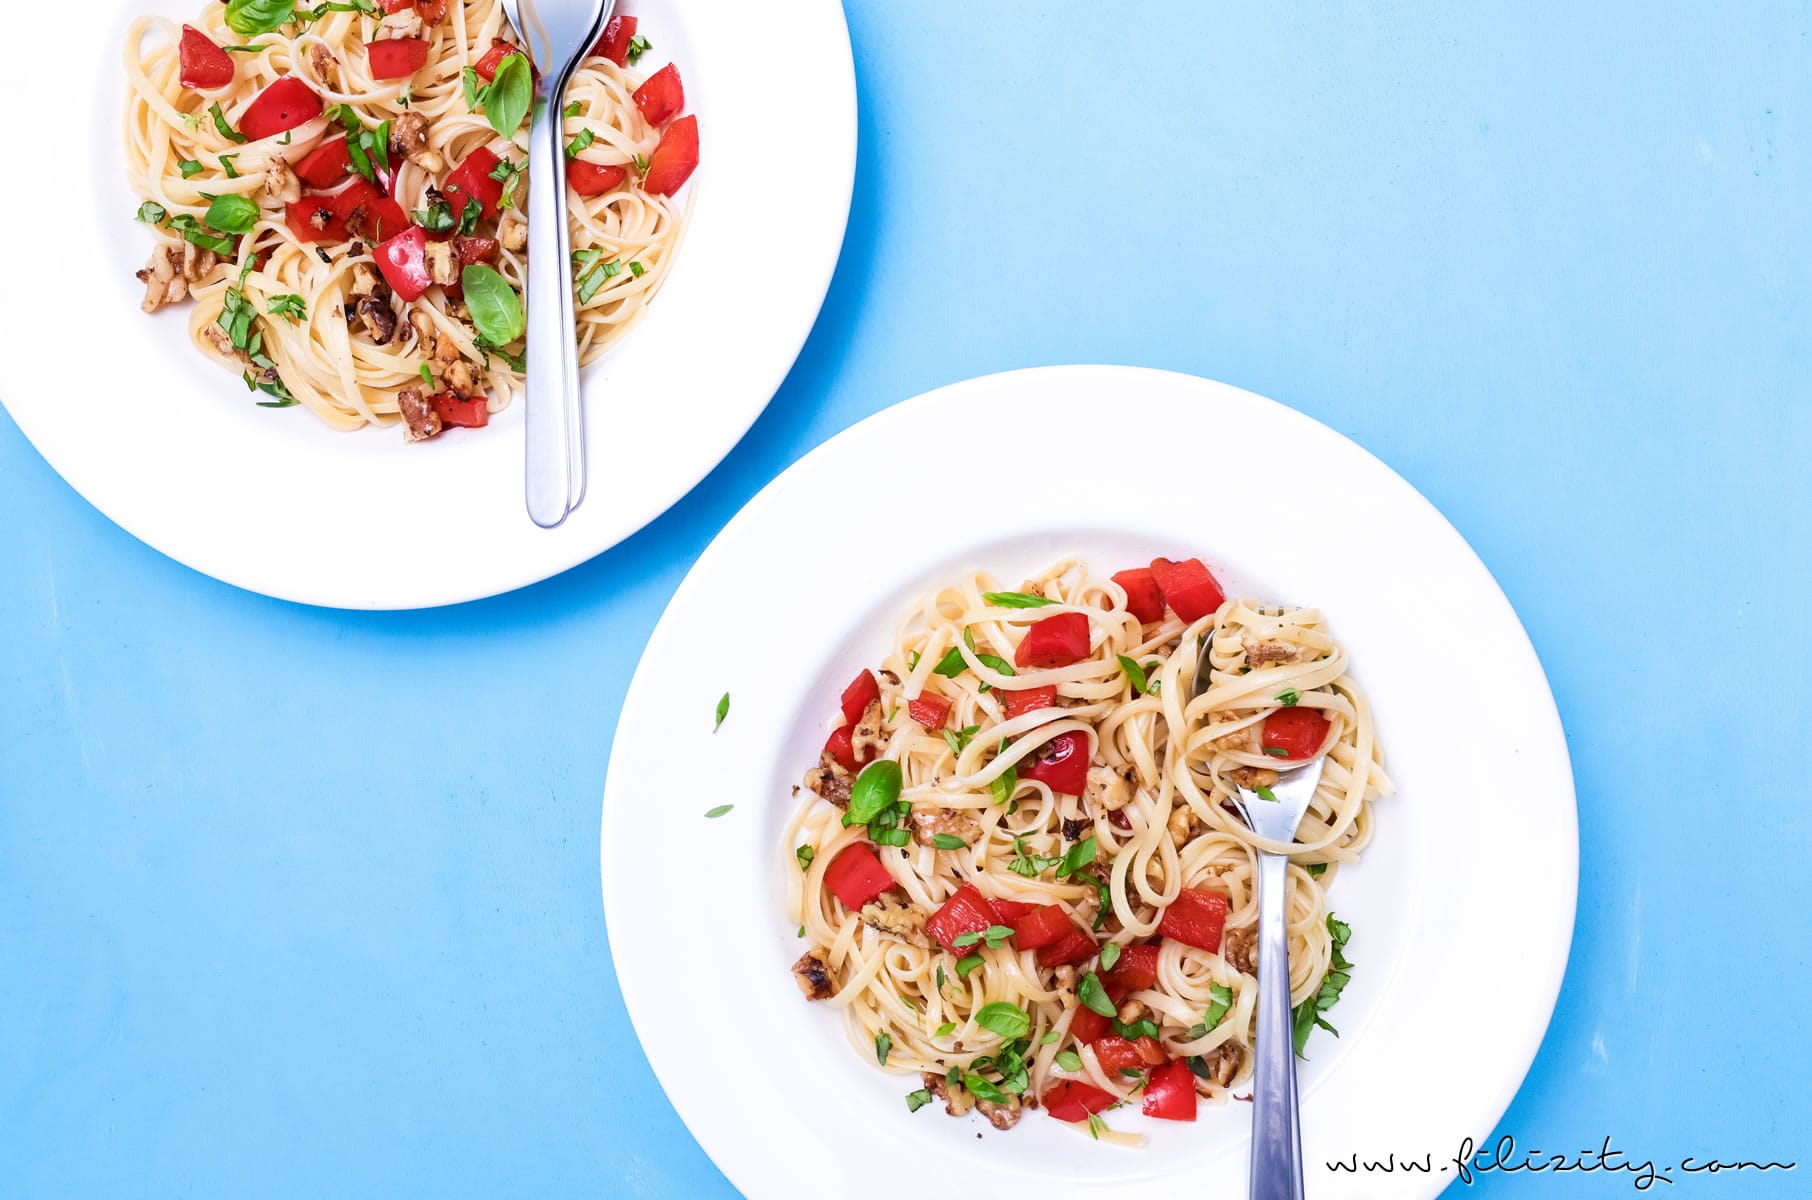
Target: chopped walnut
{"type": "Point", "coordinates": [280, 183]}
{"type": "Point", "coordinates": [1109, 789]}
{"type": "Point", "coordinates": [1223, 1064]}
{"type": "Point", "coordinates": [197, 264]}
{"type": "Point", "coordinates": [813, 977]}
{"type": "Point", "coordinates": [512, 233]}
{"type": "Point", "coordinates": [443, 267]}
{"type": "Point", "coordinates": [163, 279]}
{"type": "Point", "coordinates": [1184, 825]}
{"type": "Point", "coordinates": [365, 281]}
{"type": "Point", "coordinates": [1239, 739]}
{"type": "Point", "coordinates": [1259, 654]}
{"type": "Point", "coordinates": [406, 23]}
{"type": "Point", "coordinates": [409, 139]}
{"type": "Point", "coordinates": [1253, 777]}
{"type": "Point", "coordinates": [420, 421]}
{"type": "Point", "coordinates": [1237, 947]}
{"type": "Point", "coordinates": [222, 343]}
{"type": "Point", "coordinates": [957, 1100]}
{"type": "Point", "coordinates": [326, 66]}
{"type": "Point", "coordinates": [460, 380]}
{"type": "Point", "coordinates": [830, 780]}
{"type": "Point", "coordinates": [1001, 1116]}
{"type": "Point", "coordinates": [891, 915]}
{"type": "Point", "coordinates": [928, 823]}
{"type": "Point", "coordinates": [378, 318]}
{"type": "Point", "coordinates": [866, 739]}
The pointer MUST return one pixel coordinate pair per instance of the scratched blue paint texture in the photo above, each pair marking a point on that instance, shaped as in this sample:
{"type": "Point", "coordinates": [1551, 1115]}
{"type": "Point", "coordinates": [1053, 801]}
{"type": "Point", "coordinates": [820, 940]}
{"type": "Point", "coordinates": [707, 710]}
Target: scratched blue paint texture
{"type": "Point", "coordinates": [1550, 261]}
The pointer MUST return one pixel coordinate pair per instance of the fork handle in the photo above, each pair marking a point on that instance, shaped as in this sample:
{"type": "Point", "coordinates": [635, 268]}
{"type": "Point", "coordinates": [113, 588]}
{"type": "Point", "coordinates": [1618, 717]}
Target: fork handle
{"type": "Point", "coordinates": [552, 416]}
{"type": "Point", "coordinates": [1276, 1126]}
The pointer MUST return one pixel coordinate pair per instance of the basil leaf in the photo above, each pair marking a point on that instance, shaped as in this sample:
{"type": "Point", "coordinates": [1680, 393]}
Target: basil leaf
{"type": "Point", "coordinates": [193, 233]}
{"type": "Point", "coordinates": [496, 309]}
{"type": "Point", "coordinates": [232, 214]}
{"type": "Point", "coordinates": [152, 212]}
{"type": "Point", "coordinates": [1289, 697]}
{"type": "Point", "coordinates": [511, 94]}
{"type": "Point", "coordinates": [999, 665]}
{"type": "Point", "coordinates": [948, 1027]}
{"type": "Point", "coordinates": [1069, 1060]}
{"type": "Point", "coordinates": [227, 165]}
{"type": "Point", "coordinates": [1265, 793]}
{"type": "Point", "coordinates": [1136, 1030]}
{"type": "Point", "coordinates": [1316, 870]}
{"type": "Point", "coordinates": [1277, 752]}
{"type": "Point", "coordinates": [948, 841]}
{"type": "Point", "coordinates": [586, 138]}
{"type": "Point", "coordinates": [249, 18]}
{"type": "Point", "coordinates": [638, 46]}
{"type": "Point", "coordinates": [1134, 672]}
{"type": "Point", "coordinates": [883, 1044]}
{"type": "Point", "coordinates": [805, 855]}
{"type": "Point", "coordinates": [723, 710]}
{"type": "Point", "coordinates": [719, 811]}
{"type": "Point", "coordinates": [572, 110]}
{"type": "Point", "coordinates": [951, 665]}
{"type": "Point", "coordinates": [1094, 996]}
{"type": "Point", "coordinates": [189, 168]}
{"type": "Point", "coordinates": [1002, 785]}
{"type": "Point", "coordinates": [1008, 1020]}
{"type": "Point", "coordinates": [917, 1100]}
{"type": "Point", "coordinates": [875, 789]}
{"type": "Point", "coordinates": [1014, 600]}
{"type": "Point", "coordinates": [983, 1090]}
{"type": "Point", "coordinates": [291, 307]}
{"type": "Point", "coordinates": [1110, 954]}
{"type": "Point", "coordinates": [225, 130]}
{"type": "Point", "coordinates": [1217, 1011]}
{"type": "Point", "coordinates": [1081, 855]}
{"type": "Point", "coordinates": [966, 965]}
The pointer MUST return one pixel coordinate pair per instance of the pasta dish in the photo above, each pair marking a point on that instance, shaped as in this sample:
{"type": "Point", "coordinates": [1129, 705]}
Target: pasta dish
{"type": "Point", "coordinates": [1018, 865]}
{"type": "Point", "coordinates": [340, 188]}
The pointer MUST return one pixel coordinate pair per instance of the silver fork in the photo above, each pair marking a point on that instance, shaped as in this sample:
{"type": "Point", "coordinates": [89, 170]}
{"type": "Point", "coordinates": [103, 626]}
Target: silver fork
{"type": "Point", "coordinates": [556, 34]}
{"type": "Point", "coordinates": [1276, 1123]}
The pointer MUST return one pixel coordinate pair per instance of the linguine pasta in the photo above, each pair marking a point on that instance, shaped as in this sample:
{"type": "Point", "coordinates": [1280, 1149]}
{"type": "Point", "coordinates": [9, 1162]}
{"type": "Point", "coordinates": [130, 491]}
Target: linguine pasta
{"type": "Point", "coordinates": [1135, 843]}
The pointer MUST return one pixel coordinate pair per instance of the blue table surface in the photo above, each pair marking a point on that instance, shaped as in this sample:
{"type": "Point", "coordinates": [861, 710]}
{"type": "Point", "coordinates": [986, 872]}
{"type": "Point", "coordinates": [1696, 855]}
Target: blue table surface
{"type": "Point", "coordinates": [301, 902]}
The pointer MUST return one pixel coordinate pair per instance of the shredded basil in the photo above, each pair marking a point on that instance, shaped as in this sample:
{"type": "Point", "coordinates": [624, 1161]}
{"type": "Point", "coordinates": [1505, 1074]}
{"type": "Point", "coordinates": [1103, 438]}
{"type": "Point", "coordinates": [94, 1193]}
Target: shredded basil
{"type": "Point", "coordinates": [723, 710]}
{"type": "Point", "coordinates": [189, 168]}
{"type": "Point", "coordinates": [223, 128]}
{"type": "Point", "coordinates": [1110, 954]}
{"type": "Point", "coordinates": [153, 212]}
{"type": "Point", "coordinates": [948, 841]}
{"type": "Point", "coordinates": [1069, 1060]}
{"type": "Point", "coordinates": [1015, 600]}
{"type": "Point", "coordinates": [917, 1100]}
{"type": "Point", "coordinates": [719, 811]}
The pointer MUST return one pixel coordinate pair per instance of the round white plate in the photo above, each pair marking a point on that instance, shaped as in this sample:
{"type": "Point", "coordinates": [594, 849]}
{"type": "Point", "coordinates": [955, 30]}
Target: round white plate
{"type": "Point", "coordinates": [1462, 908]}
{"type": "Point", "coordinates": [172, 448]}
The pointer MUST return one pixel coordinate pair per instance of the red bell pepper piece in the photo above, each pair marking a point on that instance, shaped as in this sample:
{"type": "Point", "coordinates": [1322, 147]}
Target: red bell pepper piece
{"type": "Point", "coordinates": [475, 250]}
{"type": "Point", "coordinates": [1089, 1026]}
{"type": "Point", "coordinates": [1297, 731]}
{"type": "Point", "coordinates": [929, 710]}
{"type": "Point", "coordinates": [856, 876]}
{"type": "Point", "coordinates": [1170, 1091]}
{"type": "Point", "coordinates": [326, 164]}
{"type": "Point", "coordinates": [674, 159]}
{"type": "Point", "coordinates": [311, 219]}
{"type": "Point", "coordinates": [493, 58]}
{"type": "Point", "coordinates": [1054, 642]}
{"type": "Point", "coordinates": [1041, 927]}
{"type": "Point", "coordinates": [842, 748]}
{"type": "Point", "coordinates": [203, 64]}
{"type": "Point", "coordinates": [1195, 918]}
{"type": "Point", "coordinates": [614, 45]}
{"type": "Point", "coordinates": [661, 95]}
{"type": "Point", "coordinates": [1135, 970]}
{"type": "Point", "coordinates": [1030, 700]}
{"type": "Point", "coordinates": [593, 179]}
{"type": "Point", "coordinates": [1115, 1053]}
{"type": "Point", "coordinates": [392, 7]}
{"type": "Point", "coordinates": [396, 58]}
{"type": "Point", "coordinates": [362, 211]}
{"type": "Point", "coordinates": [283, 105]}
{"type": "Point", "coordinates": [1065, 769]}
{"type": "Point", "coordinates": [403, 260]}
{"type": "Point", "coordinates": [467, 412]}
{"type": "Point", "coordinates": [1144, 599]}
{"type": "Point", "coordinates": [1073, 1100]}
{"type": "Point", "coordinates": [862, 691]}
{"type": "Point", "coordinates": [1010, 911]}
{"type": "Point", "coordinates": [433, 11]}
{"type": "Point", "coordinates": [1074, 947]}
{"type": "Point", "coordinates": [473, 178]}
{"type": "Point", "coordinates": [968, 911]}
{"type": "Point", "coordinates": [1188, 588]}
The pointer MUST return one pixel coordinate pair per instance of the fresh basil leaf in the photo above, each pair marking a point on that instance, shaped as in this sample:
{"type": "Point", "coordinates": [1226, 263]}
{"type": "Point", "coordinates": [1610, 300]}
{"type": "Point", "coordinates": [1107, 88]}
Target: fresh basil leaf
{"type": "Point", "coordinates": [966, 965]}
{"type": "Point", "coordinates": [228, 165]}
{"type": "Point", "coordinates": [472, 88]}
{"type": "Point", "coordinates": [572, 110]}
{"type": "Point", "coordinates": [1289, 697]}
{"type": "Point", "coordinates": [1218, 1008]}
{"type": "Point", "coordinates": [883, 1044]}
{"type": "Point", "coordinates": [291, 307]}
{"type": "Point", "coordinates": [1316, 870]}
{"type": "Point", "coordinates": [951, 665]}
{"type": "Point", "coordinates": [805, 854]}
{"type": "Point", "coordinates": [189, 168]}
{"type": "Point", "coordinates": [1277, 752]}
{"type": "Point", "coordinates": [225, 130]}
{"type": "Point", "coordinates": [1110, 954]}
{"type": "Point", "coordinates": [890, 837]}
{"type": "Point", "coordinates": [1081, 855]}
{"type": "Point", "coordinates": [152, 212]}
{"type": "Point", "coordinates": [875, 789]}
{"type": "Point", "coordinates": [1014, 600]}
{"type": "Point", "coordinates": [468, 220]}
{"type": "Point", "coordinates": [723, 710]}
{"type": "Point", "coordinates": [194, 233]}
{"type": "Point", "coordinates": [1008, 1020]}
{"type": "Point", "coordinates": [719, 811]}
{"type": "Point", "coordinates": [998, 665]}
{"type": "Point", "coordinates": [580, 143]}
{"type": "Point", "coordinates": [1069, 1060]}
{"type": "Point", "coordinates": [1137, 1030]}
{"type": "Point", "coordinates": [984, 1090]}
{"type": "Point", "coordinates": [638, 46]}
{"type": "Point", "coordinates": [232, 214]}
{"type": "Point", "coordinates": [917, 1100]}
{"type": "Point", "coordinates": [496, 309]}
{"type": "Point", "coordinates": [436, 218]}
{"type": "Point", "coordinates": [1265, 793]}
{"type": "Point", "coordinates": [948, 1027]}
{"type": "Point", "coordinates": [511, 94]}
{"type": "Point", "coordinates": [948, 841]}
{"type": "Point", "coordinates": [1094, 996]}
{"type": "Point", "coordinates": [1135, 673]}
{"type": "Point", "coordinates": [249, 18]}
{"type": "Point", "coordinates": [1307, 1015]}
{"type": "Point", "coordinates": [635, 269]}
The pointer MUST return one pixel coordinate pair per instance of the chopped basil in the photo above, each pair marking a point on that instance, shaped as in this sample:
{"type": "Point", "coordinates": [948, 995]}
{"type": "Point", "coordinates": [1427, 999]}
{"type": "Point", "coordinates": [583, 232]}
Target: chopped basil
{"type": "Point", "coordinates": [951, 665]}
{"type": "Point", "coordinates": [1049, 1038]}
{"type": "Point", "coordinates": [1096, 1126]}
{"type": "Point", "coordinates": [994, 935]}
{"type": "Point", "coordinates": [883, 1044]}
{"type": "Point", "coordinates": [1029, 865]}
{"type": "Point", "coordinates": [1265, 793]}
{"type": "Point", "coordinates": [195, 233]}
{"type": "Point", "coordinates": [290, 307]}
{"type": "Point", "coordinates": [719, 811]}
{"type": "Point", "coordinates": [153, 212]}
{"type": "Point", "coordinates": [227, 165]}
{"type": "Point", "coordinates": [959, 740]}
{"type": "Point", "coordinates": [635, 269]}
{"type": "Point", "coordinates": [982, 1089]}
{"type": "Point", "coordinates": [1137, 1030]}
{"type": "Point", "coordinates": [232, 214]}
{"type": "Point", "coordinates": [917, 1100]}
{"type": "Point", "coordinates": [876, 788]}
{"type": "Point", "coordinates": [1308, 1013]}
{"type": "Point", "coordinates": [436, 218]}
{"type": "Point", "coordinates": [1136, 674]}
{"type": "Point", "coordinates": [1289, 697]}
{"type": "Point", "coordinates": [1069, 1060]}
{"type": "Point", "coordinates": [578, 144]}
{"type": "Point", "coordinates": [1081, 855]}
{"type": "Point", "coordinates": [1316, 870]}
{"type": "Point", "coordinates": [597, 277]}
{"type": "Point", "coordinates": [1110, 954]}
{"type": "Point", "coordinates": [638, 46]}
{"type": "Point", "coordinates": [226, 131]}
{"type": "Point", "coordinates": [940, 985]}
{"type": "Point", "coordinates": [948, 1027]}
{"type": "Point", "coordinates": [641, 164]}
{"type": "Point", "coordinates": [1094, 996]}
{"type": "Point", "coordinates": [249, 18]}
{"type": "Point", "coordinates": [259, 48]}
{"type": "Point", "coordinates": [472, 88]}
{"type": "Point", "coordinates": [1277, 752]}
{"type": "Point", "coordinates": [805, 854]}
{"type": "Point", "coordinates": [912, 660]}
{"type": "Point", "coordinates": [427, 375]}
{"type": "Point", "coordinates": [496, 309]}
{"type": "Point", "coordinates": [1002, 785]}
{"type": "Point", "coordinates": [572, 110]}
{"type": "Point", "coordinates": [948, 841]}
{"type": "Point", "coordinates": [1008, 1020]}
{"type": "Point", "coordinates": [997, 664]}
{"type": "Point", "coordinates": [189, 168]}
{"type": "Point", "coordinates": [966, 965]}
{"type": "Point", "coordinates": [801, 932]}
{"type": "Point", "coordinates": [723, 710]}
{"type": "Point", "coordinates": [1014, 600]}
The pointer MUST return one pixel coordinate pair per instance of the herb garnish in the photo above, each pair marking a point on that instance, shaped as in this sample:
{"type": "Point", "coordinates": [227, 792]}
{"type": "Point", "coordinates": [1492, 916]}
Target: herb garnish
{"type": "Point", "coordinates": [1094, 996]}
{"type": "Point", "coordinates": [1308, 1013]}
{"type": "Point", "coordinates": [994, 935]}
{"type": "Point", "coordinates": [805, 854]}
{"type": "Point", "coordinates": [723, 710]}
{"type": "Point", "coordinates": [1288, 697]}
{"type": "Point", "coordinates": [1015, 600]}
{"type": "Point", "coordinates": [719, 811]}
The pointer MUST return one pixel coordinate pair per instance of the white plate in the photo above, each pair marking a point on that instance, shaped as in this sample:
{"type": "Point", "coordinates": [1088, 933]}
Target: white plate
{"type": "Point", "coordinates": [1462, 908]}
{"type": "Point", "coordinates": [171, 447]}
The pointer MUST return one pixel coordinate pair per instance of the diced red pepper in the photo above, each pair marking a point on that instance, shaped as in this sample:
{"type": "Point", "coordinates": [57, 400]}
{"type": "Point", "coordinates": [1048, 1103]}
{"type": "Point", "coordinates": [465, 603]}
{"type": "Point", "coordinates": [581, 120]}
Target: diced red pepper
{"type": "Point", "coordinates": [857, 876]}
{"type": "Point", "coordinates": [396, 58]}
{"type": "Point", "coordinates": [473, 178]}
{"type": "Point", "coordinates": [475, 250]}
{"type": "Point", "coordinates": [1010, 911]}
{"type": "Point", "coordinates": [493, 58]}
{"type": "Point", "coordinates": [1144, 599]}
{"type": "Point", "coordinates": [929, 710]}
{"type": "Point", "coordinates": [841, 747]}
{"type": "Point", "coordinates": [674, 159]}
{"type": "Point", "coordinates": [1170, 1091]}
{"type": "Point", "coordinates": [968, 911]}
{"type": "Point", "coordinates": [433, 11]}
{"type": "Point", "coordinates": [1115, 1053]}
{"type": "Point", "coordinates": [1074, 947]}
{"type": "Point", "coordinates": [1066, 768]}
{"type": "Point", "coordinates": [1030, 700]}
{"type": "Point", "coordinates": [614, 45]}
{"type": "Point", "coordinates": [1297, 731]}
{"type": "Point", "coordinates": [362, 211]}
{"type": "Point", "coordinates": [1054, 642]}
{"type": "Point", "coordinates": [467, 412]}
{"type": "Point", "coordinates": [1195, 918]}
{"type": "Point", "coordinates": [1188, 588]}
{"type": "Point", "coordinates": [1135, 970]}
{"type": "Point", "coordinates": [1073, 1100]}
{"type": "Point", "coordinates": [661, 95]}
{"type": "Point", "coordinates": [862, 691]}
{"type": "Point", "coordinates": [594, 179]}
{"type": "Point", "coordinates": [1089, 1026]}
{"type": "Point", "coordinates": [403, 260]}
{"type": "Point", "coordinates": [283, 105]}
{"type": "Point", "coordinates": [1043, 926]}
{"type": "Point", "coordinates": [311, 219]}
{"type": "Point", "coordinates": [326, 164]}
{"type": "Point", "coordinates": [392, 7]}
{"type": "Point", "coordinates": [203, 64]}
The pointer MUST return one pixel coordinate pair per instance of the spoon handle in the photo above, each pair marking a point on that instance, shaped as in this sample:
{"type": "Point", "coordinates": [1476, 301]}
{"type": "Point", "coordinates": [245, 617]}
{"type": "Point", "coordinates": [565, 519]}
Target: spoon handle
{"type": "Point", "coordinates": [551, 417]}
{"type": "Point", "coordinates": [1276, 1132]}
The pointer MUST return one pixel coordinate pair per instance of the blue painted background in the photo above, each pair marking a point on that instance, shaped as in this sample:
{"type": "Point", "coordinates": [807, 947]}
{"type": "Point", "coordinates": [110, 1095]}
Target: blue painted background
{"type": "Point", "coordinates": [297, 902]}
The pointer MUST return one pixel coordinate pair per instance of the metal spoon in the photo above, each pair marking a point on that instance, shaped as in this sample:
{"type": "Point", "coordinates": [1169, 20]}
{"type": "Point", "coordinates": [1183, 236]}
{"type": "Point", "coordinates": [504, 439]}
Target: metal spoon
{"type": "Point", "coordinates": [1276, 1124]}
{"type": "Point", "coordinates": [557, 34]}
